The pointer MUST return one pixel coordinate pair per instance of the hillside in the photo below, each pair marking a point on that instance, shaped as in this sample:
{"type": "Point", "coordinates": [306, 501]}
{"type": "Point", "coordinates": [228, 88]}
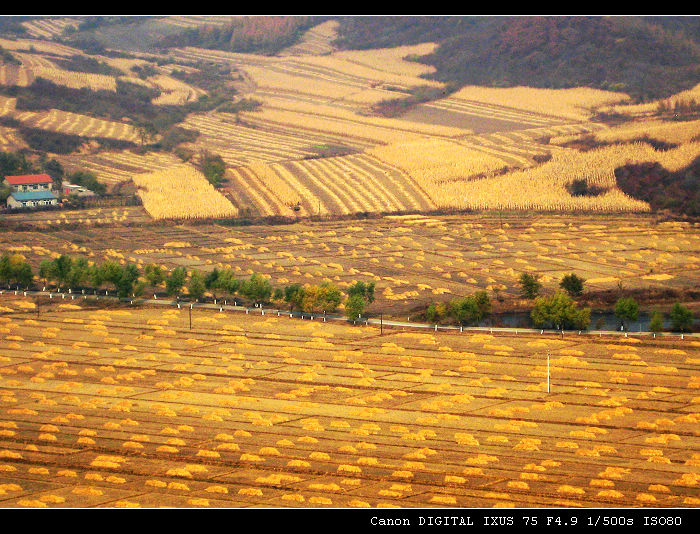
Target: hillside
{"type": "Point", "coordinates": [644, 58]}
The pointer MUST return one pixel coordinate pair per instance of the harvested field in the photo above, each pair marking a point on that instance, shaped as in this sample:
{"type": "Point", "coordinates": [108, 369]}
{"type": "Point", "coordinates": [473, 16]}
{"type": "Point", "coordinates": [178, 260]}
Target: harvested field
{"type": "Point", "coordinates": [115, 167]}
{"type": "Point", "coordinates": [129, 408]}
{"type": "Point", "coordinates": [316, 41]}
{"type": "Point", "coordinates": [181, 192]}
{"type": "Point", "coordinates": [82, 217]}
{"type": "Point", "coordinates": [415, 260]}
{"type": "Point", "coordinates": [77, 124]}
{"type": "Point", "coordinates": [328, 186]}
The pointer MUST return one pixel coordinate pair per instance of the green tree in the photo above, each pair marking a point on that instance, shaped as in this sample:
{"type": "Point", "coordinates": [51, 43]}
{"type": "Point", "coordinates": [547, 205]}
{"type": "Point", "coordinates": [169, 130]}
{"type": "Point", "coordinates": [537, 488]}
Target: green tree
{"type": "Point", "coordinates": [23, 274]}
{"type": "Point", "coordinates": [257, 288]}
{"type": "Point", "coordinates": [529, 286]}
{"type": "Point", "coordinates": [365, 290]}
{"type": "Point", "coordinates": [354, 306]}
{"type": "Point", "coordinates": [436, 312]}
{"type": "Point", "coordinates": [146, 131]}
{"type": "Point", "coordinates": [657, 322]}
{"type": "Point", "coordinates": [87, 179]}
{"type": "Point", "coordinates": [175, 281]}
{"type": "Point", "coordinates": [78, 273]}
{"type": "Point", "coordinates": [54, 169]}
{"type": "Point", "coordinates": [294, 296]}
{"type": "Point", "coordinates": [471, 309]}
{"type": "Point", "coordinates": [227, 283]}
{"type": "Point", "coordinates": [5, 270]}
{"type": "Point", "coordinates": [213, 167]}
{"type": "Point", "coordinates": [626, 309]}
{"type": "Point", "coordinates": [211, 281]}
{"type": "Point", "coordinates": [60, 270]}
{"type": "Point", "coordinates": [128, 277]}
{"type": "Point", "coordinates": [154, 274]}
{"type": "Point", "coordinates": [681, 317]}
{"type": "Point", "coordinates": [560, 311]}
{"type": "Point", "coordinates": [14, 269]}
{"type": "Point", "coordinates": [196, 286]}
{"type": "Point", "coordinates": [572, 284]}
{"type": "Point", "coordinates": [45, 270]}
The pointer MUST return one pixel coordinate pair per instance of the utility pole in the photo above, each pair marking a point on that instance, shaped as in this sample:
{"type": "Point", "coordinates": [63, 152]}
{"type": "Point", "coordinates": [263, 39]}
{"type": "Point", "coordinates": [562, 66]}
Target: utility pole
{"type": "Point", "coordinates": [191, 316]}
{"type": "Point", "coordinates": [547, 371]}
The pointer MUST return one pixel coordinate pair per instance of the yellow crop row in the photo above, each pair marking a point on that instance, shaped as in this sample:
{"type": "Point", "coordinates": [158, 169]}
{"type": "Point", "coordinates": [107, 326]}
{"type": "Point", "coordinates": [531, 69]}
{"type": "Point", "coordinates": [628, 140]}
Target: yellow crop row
{"type": "Point", "coordinates": [575, 103]}
{"type": "Point", "coordinates": [683, 97]}
{"type": "Point", "coordinates": [181, 192]}
{"type": "Point", "coordinates": [350, 128]}
{"type": "Point", "coordinates": [274, 183]}
{"type": "Point", "coordinates": [76, 80]}
{"type": "Point", "coordinates": [315, 41]}
{"type": "Point", "coordinates": [432, 162]}
{"type": "Point", "coordinates": [336, 112]}
{"type": "Point", "coordinates": [544, 187]}
{"type": "Point", "coordinates": [670, 132]}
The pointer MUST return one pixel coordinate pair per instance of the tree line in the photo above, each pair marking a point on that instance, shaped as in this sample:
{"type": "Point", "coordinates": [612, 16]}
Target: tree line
{"type": "Point", "coordinates": [129, 280]}
{"type": "Point", "coordinates": [559, 311]}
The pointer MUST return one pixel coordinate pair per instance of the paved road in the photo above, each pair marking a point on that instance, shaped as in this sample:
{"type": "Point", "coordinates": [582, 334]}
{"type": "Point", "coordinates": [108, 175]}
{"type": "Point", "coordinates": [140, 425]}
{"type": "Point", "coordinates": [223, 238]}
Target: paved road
{"type": "Point", "coordinates": [334, 317]}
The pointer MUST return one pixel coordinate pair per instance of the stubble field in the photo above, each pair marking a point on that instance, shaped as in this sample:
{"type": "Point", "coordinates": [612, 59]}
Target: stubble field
{"type": "Point", "coordinates": [128, 407]}
{"type": "Point", "coordinates": [414, 260]}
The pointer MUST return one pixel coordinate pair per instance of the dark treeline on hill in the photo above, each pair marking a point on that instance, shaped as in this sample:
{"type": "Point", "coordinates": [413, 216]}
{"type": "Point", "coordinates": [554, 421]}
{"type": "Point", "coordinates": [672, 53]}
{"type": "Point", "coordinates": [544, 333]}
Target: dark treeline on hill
{"type": "Point", "coordinates": [78, 63]}
{"type": "Point", "coordinates": [643, 57]}
{"type": "Point", "coordinates": [253, 34]}
{"type": "Point", "coordinates": [677, 191]}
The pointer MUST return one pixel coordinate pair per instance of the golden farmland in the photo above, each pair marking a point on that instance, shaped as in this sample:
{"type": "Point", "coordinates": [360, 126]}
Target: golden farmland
{"type": "Point", "coordinates": [130, 408]}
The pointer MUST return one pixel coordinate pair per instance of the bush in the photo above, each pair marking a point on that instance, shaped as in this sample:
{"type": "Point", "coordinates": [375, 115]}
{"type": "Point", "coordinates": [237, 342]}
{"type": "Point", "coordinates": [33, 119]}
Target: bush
{"type": "Point", "coordinates": [626, 309]}
{"type": "Point", "coordinates": [681, 318]}
{"type": "Point", "coordinates": [572, 284]}
{"type": "Point", "coordinates": [657, 322]}
{"type": "Point", "coordinates": [560, 311]}
{"type": "Point", "coordinates": [529, 286]}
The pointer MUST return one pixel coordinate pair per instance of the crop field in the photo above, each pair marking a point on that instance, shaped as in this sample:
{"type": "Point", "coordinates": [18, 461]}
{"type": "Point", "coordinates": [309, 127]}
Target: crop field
{"type": "Point", "coordinates": [335, 186]}
{"type": "Point", "coordinates": [16, 75]}
{"type": "Point", "coordinates": [83, 217]}
{"type": "Point", "coordinates": [316, 41]}
{"type": "Point", "coordinates": [182, 192]}
{"type": "Point", "coordinates": [49, 28]}
{"type": "Point", "coordinates": [115, 167]}
{"type": "Point", "coordinates": [9, 140]}
{"type": "Point", "coordinates": [415, 260]}
{"type": "Point", "coordinates": [77, 124]}
{"type": "Point", "coordinates": [131, 408]}
{"type": "Point", "coordinates": [241, 143]}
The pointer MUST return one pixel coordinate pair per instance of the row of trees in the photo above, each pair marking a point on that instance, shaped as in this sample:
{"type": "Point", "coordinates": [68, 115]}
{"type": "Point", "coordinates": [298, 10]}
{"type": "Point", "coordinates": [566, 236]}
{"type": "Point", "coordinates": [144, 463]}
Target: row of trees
{"type": "Point", "coordinates": [558, 311]}
{"type": "Point", "coordinates": [128, 280]}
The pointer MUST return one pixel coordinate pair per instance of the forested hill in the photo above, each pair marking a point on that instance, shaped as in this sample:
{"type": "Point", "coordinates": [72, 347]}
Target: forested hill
{"type": "Point", "coordinates": [646, 57]}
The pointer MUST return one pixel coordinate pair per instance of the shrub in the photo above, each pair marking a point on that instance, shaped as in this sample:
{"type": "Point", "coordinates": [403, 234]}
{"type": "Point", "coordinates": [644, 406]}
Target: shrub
{"type": "Point", "coordinates": [560, 311]}
{"type": "Point", "coordinates": [681, 317]}
{"type": "Point", "coordinates": [529, 286]}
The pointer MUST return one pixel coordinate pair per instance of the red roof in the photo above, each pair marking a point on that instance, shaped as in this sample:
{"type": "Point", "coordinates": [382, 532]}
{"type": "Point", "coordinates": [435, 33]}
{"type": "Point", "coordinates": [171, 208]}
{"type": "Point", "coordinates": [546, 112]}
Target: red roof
{"type": "Point", "coordinates": [28, 179]}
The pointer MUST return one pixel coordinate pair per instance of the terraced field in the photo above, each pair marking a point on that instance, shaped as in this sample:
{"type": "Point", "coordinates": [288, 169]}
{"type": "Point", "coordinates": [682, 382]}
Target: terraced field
{"type": "Point", "coordinates": [77, 124]}
{"type": "Point", "coordinates": [130, 408]}
{"type": "Point", "coordinates": [84, 217]}
{"type": "Point", "coordinates": [335, 186]}
{"type": "Point", "coordinates": [115, 167]}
